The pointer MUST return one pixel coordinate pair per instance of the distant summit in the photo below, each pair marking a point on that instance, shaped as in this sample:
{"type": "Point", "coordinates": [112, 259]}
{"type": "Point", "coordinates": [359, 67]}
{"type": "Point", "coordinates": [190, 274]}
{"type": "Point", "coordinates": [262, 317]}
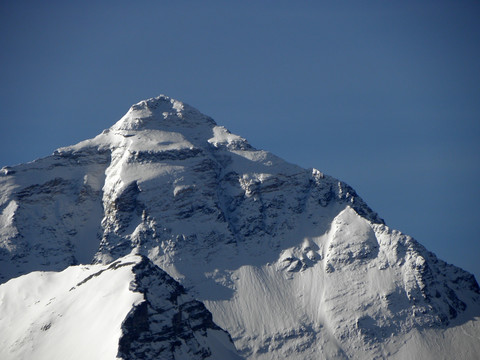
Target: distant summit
{"type": "Point", "coordinates": [185, 215]}
{"type": "Point", "coordinates": [160, 113]}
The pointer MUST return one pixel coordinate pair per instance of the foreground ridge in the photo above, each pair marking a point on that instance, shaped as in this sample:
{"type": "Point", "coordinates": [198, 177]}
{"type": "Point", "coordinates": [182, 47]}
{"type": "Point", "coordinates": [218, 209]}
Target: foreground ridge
{"type": "Point", "coordinates": [129, 309]}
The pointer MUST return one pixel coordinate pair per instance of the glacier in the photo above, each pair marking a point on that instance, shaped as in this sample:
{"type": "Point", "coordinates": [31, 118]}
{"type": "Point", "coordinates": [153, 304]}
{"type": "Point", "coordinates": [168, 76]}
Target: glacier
{"type": "Point", "coordinates": [289, 261]}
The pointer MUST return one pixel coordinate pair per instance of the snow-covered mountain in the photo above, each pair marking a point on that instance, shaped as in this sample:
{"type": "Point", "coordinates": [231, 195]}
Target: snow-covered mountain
{"type": "Point", "coordinates": [291, 262]}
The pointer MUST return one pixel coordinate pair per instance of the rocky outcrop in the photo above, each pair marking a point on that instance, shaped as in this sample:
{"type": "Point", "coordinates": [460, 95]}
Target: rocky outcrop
{"type": "Point", "coordinates": [168, 322]}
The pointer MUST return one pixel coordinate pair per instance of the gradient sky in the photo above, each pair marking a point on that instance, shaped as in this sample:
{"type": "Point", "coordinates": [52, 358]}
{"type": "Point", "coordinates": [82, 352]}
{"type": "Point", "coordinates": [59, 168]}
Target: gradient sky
{"type": "Point", "coordinates": [384, 95]}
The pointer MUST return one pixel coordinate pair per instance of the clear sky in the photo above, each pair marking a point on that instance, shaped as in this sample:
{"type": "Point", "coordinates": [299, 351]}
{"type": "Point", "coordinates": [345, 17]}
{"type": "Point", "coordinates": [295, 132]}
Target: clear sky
{"type": "Point", "coordinates": [384, 95]}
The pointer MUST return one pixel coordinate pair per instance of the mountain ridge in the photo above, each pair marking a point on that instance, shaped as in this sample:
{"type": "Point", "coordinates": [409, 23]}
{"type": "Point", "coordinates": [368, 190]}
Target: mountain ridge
{"type": "Point", "coordinates": [128, 309]}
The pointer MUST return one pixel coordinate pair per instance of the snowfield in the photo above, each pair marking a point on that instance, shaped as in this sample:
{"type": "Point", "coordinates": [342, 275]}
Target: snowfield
{"type": "Point", "coordinates": [68, 315]}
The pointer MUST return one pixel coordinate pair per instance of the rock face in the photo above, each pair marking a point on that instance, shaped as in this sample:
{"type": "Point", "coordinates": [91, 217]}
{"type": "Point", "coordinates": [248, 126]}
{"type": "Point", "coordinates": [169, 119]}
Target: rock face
{"type": "Point", "coordinates": [169, 324]}
{"type": "Point", "coordinates": [291, 262]}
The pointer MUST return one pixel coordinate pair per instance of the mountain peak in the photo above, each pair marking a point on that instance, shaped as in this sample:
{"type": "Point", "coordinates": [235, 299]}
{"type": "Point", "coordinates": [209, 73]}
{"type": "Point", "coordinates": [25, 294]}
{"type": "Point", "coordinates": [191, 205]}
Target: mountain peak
{"type": "Point", "coordinates": [162, 112]}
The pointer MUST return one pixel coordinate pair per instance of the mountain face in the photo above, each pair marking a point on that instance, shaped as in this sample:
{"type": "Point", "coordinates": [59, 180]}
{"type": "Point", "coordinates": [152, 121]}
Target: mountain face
{"type": "Point", "coordinates": [291, 262]}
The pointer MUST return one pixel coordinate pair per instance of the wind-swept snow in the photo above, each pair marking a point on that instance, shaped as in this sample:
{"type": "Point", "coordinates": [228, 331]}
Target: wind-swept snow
{"type": "Point", "coordinates": [74, 314]}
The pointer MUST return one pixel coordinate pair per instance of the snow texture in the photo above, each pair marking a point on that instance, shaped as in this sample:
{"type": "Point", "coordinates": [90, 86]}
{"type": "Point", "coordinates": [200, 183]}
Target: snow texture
{"type": "Point", "coordinates": [291, 262]}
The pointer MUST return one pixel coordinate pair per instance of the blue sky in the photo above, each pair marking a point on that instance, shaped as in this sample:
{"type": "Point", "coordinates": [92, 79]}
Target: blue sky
{"type": "Point", "coordinates": [383, 95]}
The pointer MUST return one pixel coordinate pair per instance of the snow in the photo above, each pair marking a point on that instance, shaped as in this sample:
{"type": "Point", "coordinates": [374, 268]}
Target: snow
{"type": "Point", "coordinates": [221, 347]}
{"type": "Point", "coordinates": [308, 314]}
{"type": "Point", "coordinates": [46, 315]}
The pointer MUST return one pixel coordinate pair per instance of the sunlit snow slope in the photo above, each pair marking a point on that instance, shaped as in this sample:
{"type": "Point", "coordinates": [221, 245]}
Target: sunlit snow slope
{"type": "Point", "coordinates": [291, 262]}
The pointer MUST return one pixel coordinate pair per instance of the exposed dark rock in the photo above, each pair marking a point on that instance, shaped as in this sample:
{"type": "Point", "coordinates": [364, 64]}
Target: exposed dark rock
{"type": "Point", "coordinates": [166, 155]}
{"type": "Point", "coordinates": [166, 320]}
